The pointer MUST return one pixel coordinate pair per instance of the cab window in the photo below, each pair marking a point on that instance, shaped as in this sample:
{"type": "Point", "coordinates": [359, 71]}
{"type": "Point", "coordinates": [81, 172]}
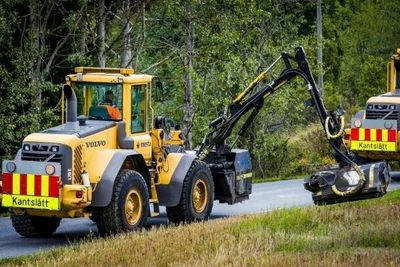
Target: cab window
{"type": "Point", "coordinates": [138, 110]}
{"type": "Point", "coordinates": [99, 101]}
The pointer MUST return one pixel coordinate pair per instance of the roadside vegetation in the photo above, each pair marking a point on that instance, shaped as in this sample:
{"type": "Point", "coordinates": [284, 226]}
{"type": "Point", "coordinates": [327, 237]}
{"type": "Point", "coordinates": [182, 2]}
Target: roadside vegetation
{"type": "Point", "coordinates": [364, 233]}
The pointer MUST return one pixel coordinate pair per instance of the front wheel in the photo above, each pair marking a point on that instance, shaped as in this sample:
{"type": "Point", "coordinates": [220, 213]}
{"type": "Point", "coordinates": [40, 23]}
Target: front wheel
{"type": "Point", "coordinates": [197, 195]}
{"type": "Point", "coordinates": [129, 206]}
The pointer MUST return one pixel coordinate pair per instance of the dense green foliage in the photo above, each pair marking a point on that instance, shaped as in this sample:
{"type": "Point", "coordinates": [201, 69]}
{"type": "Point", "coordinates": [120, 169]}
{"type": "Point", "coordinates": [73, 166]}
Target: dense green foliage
{"type": "Point", "coordinates": [41, 42]}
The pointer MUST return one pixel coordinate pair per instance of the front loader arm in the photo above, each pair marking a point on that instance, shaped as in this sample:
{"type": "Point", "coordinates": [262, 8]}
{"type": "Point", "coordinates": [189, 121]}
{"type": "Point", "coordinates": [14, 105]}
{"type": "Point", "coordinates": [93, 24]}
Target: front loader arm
{"type": "Point", "coordinates": [221, 128]}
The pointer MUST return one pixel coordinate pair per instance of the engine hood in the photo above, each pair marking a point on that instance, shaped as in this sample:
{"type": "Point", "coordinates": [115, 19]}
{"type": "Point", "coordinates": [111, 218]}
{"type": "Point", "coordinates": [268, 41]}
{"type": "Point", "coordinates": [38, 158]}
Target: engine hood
{"type": "Point", "coordinates": [91, 127]}
{"type": "Point", "coordinates": [63, 134]}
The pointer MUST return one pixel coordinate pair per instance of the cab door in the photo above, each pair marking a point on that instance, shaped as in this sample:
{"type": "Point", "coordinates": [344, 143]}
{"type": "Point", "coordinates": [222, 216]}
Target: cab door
{"type": "Point", "coordinates": [140, 119]}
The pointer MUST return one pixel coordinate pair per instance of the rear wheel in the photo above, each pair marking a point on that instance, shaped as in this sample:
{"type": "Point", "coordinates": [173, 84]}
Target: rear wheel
{"type": "Point", "coordinates": [129, 206]}
{"type": "Point", "coordinates": [34, 226]}
{"type": "Point", "coordinates": [197, 195]}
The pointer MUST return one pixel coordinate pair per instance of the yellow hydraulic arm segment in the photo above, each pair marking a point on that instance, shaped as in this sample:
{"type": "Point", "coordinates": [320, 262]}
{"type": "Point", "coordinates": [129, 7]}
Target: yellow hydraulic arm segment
{"type": "Point", "coordinates": [254, 83]}
{"type": "Point", "coordinates": [393, 72]}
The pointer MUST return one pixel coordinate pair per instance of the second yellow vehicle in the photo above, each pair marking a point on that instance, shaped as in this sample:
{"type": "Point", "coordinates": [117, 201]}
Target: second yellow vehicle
{"type": "Point", "coordinates": [374, 132]}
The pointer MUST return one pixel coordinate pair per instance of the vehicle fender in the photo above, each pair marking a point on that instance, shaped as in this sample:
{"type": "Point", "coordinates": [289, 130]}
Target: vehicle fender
{"type": "Point", "coordinates": [104, 189]}
{"type": "Point", "coordinates": [171, 182]}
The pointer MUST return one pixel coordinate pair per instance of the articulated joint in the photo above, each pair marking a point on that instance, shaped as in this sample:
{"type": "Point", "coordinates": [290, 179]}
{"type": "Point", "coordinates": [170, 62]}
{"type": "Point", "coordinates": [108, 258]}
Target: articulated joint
{"type": "Point", "coordinates": [203, 155]}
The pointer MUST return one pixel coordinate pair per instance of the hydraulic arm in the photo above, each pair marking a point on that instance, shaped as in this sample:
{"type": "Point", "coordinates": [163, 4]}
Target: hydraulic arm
{"type": "Point", "coordinates": [252, 100]}
{"type": "Point", "coordinates": [221, 128]}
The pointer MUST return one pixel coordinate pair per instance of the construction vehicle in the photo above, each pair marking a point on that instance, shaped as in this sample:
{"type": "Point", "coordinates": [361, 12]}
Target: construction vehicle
{"type": "Point", "coordinates": [374, 131]}
{"type": "Point", "coordinates": [119, 166]}
{"type": "Point", "coordinates": [373, 135]}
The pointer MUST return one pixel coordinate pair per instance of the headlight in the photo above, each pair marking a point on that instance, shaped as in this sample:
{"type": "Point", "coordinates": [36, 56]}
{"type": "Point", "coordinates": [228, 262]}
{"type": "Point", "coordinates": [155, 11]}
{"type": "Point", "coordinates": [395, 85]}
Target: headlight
{"type": "Point", "coordinates": [54, 149]}
{"type": "Point", "coordinates": [50, 169]}
{"type": "Point", "coordinates": [388, 125]}
{"type": "Point", "coordinates": [27, 147]}
{"type": "Point", "coordinates": [392, 107]}
{"type": "Point", "coordinates": [10, 166]}
{"type": "Point", "coordinates": [370, 107]}
{"type": "Point", "coordinates": [357, 123]}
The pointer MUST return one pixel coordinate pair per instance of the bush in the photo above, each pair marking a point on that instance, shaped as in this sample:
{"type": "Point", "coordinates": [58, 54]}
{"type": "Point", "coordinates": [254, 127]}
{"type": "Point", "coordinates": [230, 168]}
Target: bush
{"type": "Point", "coordinates": [303, 151]}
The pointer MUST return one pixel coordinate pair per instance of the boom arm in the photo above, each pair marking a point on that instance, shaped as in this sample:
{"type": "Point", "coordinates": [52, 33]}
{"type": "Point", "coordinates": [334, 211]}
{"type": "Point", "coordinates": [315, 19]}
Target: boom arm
{"type": "Point", "coordinates": [221, 128]}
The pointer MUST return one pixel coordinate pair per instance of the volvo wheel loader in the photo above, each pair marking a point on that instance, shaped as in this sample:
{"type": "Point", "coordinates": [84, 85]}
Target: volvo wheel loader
{"type": "Point", "coordinates": [374, 131]}
{"type": "Point", "coordinates": [117, 162]}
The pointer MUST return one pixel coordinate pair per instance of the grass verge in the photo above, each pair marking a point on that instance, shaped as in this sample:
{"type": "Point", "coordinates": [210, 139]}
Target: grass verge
{"type": "Point", "coordinates": [364, 233]}
{"type": "Point", "coordinates": [278, 178]}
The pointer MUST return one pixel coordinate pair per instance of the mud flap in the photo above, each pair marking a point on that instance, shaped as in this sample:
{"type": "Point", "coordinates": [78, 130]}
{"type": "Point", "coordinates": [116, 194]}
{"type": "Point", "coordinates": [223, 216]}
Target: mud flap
{"type": "Point", "coordinates": [377, 178]}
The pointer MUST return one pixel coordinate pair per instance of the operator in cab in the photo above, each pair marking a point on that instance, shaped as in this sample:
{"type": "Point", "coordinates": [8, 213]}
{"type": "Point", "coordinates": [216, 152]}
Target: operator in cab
{"type": "Point", "coordinates": [108, 102]}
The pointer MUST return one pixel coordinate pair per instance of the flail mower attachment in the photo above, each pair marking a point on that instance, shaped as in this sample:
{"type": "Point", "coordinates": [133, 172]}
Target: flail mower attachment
{"type": "Point", "coordinates": [349, 183]}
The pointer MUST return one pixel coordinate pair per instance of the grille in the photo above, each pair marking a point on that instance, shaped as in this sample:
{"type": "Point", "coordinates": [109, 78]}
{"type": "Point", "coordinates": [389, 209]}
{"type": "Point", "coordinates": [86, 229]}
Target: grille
{"type": "Point", "coordinates": [32, 156]}
{"type": "Point", "coordinates": [43, 152]}
{"type": "Point", "coordinates": [78, 165]}
{"type": "Point", "coordinates": [379, 114]}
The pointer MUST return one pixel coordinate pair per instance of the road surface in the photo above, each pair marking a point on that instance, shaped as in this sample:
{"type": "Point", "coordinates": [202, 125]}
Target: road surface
{"type": "Point", "coordinates": [265, 197]}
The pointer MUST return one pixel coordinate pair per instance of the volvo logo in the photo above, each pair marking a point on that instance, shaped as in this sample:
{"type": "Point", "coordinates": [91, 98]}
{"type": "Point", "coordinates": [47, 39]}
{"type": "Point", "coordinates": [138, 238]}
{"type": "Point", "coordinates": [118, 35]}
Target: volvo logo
{"type": "Point", "coordinates": [96, 144]}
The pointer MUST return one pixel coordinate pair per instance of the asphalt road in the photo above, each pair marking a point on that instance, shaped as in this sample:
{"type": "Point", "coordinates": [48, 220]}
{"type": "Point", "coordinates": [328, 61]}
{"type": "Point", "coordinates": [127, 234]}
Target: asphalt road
{"type": "Point", "coordinates": [265, 197]}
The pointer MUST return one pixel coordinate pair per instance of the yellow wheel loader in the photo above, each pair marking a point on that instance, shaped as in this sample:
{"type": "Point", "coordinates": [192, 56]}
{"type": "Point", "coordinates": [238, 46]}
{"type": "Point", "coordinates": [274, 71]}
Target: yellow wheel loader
{"type": "Point", "coordinates": [117, 162]}
{"type": "Point", "coordinates": [374, 131]}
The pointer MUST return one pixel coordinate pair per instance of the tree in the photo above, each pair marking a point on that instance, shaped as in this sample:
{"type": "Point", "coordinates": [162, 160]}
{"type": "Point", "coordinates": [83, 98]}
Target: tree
{"type": "Point", "coordinates": [188, 83]}
{"type": "Point", "coordinates": [126, 53]}
{"type": "Point", "coordinates": [101, 32]}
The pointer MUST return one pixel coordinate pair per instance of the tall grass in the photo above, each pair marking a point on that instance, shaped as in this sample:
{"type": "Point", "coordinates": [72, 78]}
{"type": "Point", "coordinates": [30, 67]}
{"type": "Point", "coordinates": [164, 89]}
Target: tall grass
{"type": "Point", "coordinates": [365, 233]}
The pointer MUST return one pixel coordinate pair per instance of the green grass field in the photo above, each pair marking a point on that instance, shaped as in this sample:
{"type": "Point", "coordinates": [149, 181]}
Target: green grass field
{"type": "Point", "coordinates": [364, 233]}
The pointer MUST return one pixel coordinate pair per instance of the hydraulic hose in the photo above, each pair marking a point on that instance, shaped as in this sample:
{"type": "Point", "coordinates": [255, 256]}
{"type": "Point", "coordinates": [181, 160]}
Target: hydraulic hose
{"type": "Point", "coordinates": [355, 189]}
{"type": "Point", "coordinates": [339, 133]}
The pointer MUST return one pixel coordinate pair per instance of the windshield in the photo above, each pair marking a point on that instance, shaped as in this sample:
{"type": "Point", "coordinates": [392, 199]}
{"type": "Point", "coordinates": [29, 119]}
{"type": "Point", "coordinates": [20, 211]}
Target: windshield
{"type": "Point", "coordinates": [99, 101]}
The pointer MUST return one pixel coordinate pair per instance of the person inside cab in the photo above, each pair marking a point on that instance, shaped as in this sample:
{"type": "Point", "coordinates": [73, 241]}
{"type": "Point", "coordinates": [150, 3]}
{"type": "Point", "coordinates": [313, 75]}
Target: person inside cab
{"type": "Point", "coordinates": [108, 102]}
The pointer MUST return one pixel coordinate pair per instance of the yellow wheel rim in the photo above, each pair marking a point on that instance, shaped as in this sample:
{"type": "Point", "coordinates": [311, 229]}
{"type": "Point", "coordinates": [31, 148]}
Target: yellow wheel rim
{"type": "Point", "coordinates": [133, 206]}
{"type": "Point", "coordinates": [199, 195]}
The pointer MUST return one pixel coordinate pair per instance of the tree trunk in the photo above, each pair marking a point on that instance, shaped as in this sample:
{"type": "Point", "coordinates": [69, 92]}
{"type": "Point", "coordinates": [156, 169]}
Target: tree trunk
{"type": "Point", "coordinates": [36, 39]}
{"type": "Point", "coordinates": [126, 53]}
{"type": "Point", "coordinates": [188, 100]}
{"type": "Point", "coordinates": [101, 32]}
{"type": "Point", "coordinates": [142, 34]}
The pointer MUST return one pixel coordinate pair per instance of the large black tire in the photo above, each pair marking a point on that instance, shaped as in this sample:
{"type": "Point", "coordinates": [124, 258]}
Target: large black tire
{"type": "Point", "coordinates": [34, 226]}
{"type": "Point", "coordinates": [190, 209]}
{"type": "Point", "coordinates": [129, 206]}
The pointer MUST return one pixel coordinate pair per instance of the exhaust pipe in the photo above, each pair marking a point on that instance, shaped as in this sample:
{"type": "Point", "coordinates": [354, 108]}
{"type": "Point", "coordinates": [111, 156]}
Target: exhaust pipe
{"type": "Point", "coordinates": [72, 110]}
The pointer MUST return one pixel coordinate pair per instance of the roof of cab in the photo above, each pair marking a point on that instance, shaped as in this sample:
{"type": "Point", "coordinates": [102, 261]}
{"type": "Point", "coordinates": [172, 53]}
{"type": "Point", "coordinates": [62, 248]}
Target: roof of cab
{"type": "Point", "coordinates": [108, 75]}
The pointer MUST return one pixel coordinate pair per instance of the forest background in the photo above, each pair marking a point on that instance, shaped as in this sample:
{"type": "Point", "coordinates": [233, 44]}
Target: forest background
{"type": "Point", "coordinates": [205, 52]}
